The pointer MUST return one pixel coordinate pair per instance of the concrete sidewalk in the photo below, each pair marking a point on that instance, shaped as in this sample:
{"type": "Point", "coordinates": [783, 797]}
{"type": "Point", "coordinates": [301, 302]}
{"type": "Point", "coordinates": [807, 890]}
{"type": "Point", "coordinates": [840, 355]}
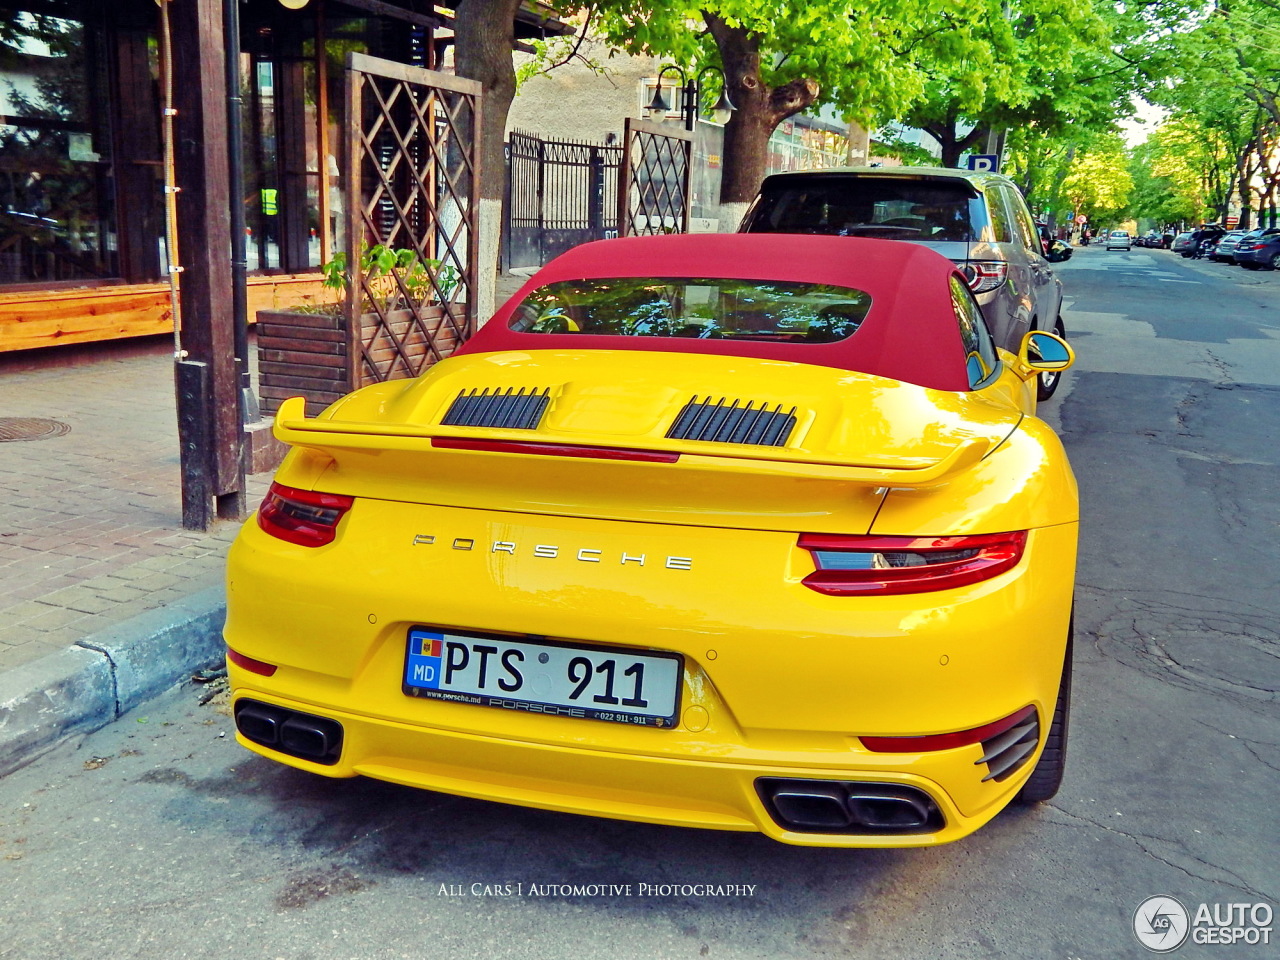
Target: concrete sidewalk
{"type": "Point", "coordinates": [104, 599]}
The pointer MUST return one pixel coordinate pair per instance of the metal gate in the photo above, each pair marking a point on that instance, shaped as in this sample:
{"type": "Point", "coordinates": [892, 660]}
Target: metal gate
{"type": "Point", "coordinates": [559, 194]}
{"type": "Point", "coordinates": [654, 187]}
{"type": "Point", "coordinates": [413, 195]}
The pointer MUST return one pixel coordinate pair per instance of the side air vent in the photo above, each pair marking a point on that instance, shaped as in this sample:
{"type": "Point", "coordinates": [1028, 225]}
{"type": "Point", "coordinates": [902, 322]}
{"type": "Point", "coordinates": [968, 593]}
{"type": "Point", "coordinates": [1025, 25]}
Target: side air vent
{"type": "Point", "coordinates": [512, 409]}
{"type": "Point", "coordinates": [1006, 752]}
{"type": "Point", "coordinates": [736, 422]}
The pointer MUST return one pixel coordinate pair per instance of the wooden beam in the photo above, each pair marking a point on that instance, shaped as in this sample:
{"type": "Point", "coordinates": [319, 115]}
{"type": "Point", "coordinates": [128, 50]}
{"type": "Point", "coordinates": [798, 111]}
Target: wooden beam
{"type": "Point", "coordinates": [399, 13]}
{"type": "Point", "coordinates": [208, 410]}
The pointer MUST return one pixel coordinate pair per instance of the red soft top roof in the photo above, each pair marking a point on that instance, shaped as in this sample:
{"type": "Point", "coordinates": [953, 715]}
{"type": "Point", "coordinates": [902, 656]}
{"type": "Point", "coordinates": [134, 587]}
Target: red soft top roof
{"type": "Point", "coordinates": [910, 334]}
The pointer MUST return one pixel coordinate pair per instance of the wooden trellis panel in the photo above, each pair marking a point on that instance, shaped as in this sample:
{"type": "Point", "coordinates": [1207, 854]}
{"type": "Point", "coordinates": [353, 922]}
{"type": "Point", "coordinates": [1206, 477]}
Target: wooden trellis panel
{"type": "Point", "coordinates": [654, 188]}
{"type": "Point", "coordinates": [413, 184]}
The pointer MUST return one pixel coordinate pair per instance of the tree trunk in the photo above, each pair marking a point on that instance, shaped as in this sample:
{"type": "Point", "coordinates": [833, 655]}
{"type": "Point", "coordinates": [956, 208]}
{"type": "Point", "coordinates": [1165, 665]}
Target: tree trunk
{"type": "Point", "coordinates": [952, 145]}
{"type": "Point", "coordinates": [759, 109]}
{"type": "Point", "coordinates": [484, 33]}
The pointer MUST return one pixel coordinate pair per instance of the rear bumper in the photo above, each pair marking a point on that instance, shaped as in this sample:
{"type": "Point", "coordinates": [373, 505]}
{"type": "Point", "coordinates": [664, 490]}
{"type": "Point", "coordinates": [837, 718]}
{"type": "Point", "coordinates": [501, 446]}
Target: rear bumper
{"type": "Point", "coordinates": [651, 789]}
{"type": "Point", "coordinates": [1261, 257]}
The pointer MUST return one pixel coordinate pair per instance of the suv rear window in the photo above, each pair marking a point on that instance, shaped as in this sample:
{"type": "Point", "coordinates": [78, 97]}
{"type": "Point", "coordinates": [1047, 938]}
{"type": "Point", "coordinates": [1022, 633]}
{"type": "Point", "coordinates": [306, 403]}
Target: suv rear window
{"type": "Point", "coordinates": [889, 208]}
{"type": "Point", "coordinates": [705, 309]}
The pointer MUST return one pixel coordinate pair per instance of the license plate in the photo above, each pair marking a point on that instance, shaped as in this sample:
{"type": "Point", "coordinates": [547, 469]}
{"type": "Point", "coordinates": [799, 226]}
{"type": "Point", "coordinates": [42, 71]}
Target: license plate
{"type": "Point", "coordinates": [546, 677]}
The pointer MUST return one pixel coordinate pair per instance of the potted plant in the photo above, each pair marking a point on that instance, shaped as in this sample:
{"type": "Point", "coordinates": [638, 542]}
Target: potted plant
{"type": "Point", "coordinates": [404, 324]}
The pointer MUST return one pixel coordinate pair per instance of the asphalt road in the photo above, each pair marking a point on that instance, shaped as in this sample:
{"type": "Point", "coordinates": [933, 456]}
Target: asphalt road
{"type": "Point", "coordinates": [159, 837]}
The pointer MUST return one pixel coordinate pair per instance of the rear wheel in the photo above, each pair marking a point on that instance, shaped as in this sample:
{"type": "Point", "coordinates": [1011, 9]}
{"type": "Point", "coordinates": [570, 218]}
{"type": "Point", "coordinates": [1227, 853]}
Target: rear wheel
{"type": "Point", "coordinates": [1046, 778]}
{"type": "Point", "coordinates": [1047, 382]}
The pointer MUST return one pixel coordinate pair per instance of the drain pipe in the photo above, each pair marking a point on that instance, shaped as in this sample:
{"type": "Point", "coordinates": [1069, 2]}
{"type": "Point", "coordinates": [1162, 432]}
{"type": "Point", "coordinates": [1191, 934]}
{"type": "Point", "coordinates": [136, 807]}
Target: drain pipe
{"type": "Point", "coordinates": [248, 400]}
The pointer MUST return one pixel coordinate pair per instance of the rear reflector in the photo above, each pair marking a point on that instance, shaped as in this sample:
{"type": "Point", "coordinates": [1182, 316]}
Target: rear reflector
{"type": "Point", "coordinates": [871, 565]}
{"type": "Point", "coordinates": [946, 741]}
{"type": "Point", "coordinates": [555, 449]}
{"type": "Point", "coordinates": [304, 517]}
{"type": "Point", "coordinates": [260, 667]}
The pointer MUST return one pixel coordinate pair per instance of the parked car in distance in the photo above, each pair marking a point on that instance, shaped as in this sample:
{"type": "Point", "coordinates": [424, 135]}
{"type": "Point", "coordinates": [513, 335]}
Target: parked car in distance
{"type": "Point", "coordinates": [677, 537]}
{"type": "Point", "coordinates": [1118, 240]}
{"type": "Point", "coordinates": [1059, 251]}
{"type": "Point", "coordinates": [1182, 243]}
{"type": "Point", "coordinates": [978, 220]}
{"type": "Point", "coordinates": [1223, 251]}
{"type": "Point", "coordinates": [1261, 251]}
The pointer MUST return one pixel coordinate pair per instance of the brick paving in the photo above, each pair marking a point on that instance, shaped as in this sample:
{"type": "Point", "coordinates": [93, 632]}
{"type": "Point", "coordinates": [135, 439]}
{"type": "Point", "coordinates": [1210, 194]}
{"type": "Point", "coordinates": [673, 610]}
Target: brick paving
{"type": "Point", "coordinates": [91, 521]}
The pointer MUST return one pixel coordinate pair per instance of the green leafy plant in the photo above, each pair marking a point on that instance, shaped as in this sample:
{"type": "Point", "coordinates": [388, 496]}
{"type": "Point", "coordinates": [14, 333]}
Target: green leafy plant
{"type": "Point", "coordinates": [396, 277]}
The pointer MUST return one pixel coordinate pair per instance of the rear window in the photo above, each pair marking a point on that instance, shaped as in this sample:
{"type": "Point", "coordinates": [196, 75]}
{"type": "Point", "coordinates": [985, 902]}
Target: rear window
{"type": "Point", "coordinates": [889, 208]}
{"type": "Point", "coordinates": [708, 309]}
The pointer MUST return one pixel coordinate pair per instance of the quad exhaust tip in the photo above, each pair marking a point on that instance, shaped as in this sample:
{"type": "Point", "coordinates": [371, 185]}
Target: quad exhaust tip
{"type": "Point", "coordinates": [844, 807]}
{"type": "Point", "coordinates": [301, 735]}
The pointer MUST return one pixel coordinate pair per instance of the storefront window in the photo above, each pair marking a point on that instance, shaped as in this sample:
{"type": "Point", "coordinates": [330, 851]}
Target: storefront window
{"type": "Point", "coordinates": [57, 218]}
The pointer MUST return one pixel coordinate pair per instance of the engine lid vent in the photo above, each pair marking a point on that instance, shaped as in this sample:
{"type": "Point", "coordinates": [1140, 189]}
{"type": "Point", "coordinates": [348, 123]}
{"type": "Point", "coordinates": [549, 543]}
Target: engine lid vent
{"type": "Point", "coordinates": [736, 422]}
{"type": "Point", "coordinates": [509, 408]}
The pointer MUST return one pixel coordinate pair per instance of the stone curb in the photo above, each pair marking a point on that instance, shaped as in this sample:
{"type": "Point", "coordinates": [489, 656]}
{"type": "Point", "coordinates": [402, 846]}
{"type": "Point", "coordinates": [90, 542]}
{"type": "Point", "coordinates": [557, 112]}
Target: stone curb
{"type": "Point", "coordinates": [96, 680]}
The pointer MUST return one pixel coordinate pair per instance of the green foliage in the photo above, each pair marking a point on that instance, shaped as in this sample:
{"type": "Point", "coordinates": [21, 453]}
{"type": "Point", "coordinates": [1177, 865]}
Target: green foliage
{"type": "Point", "coordinates": [865, 57]}
{"type": "Point", "coordinates": [555, 52]}
{"type": "Point", "coordinates": [1223, 93]}
{"type": "Point", "coordinates": [1098, 183]}
{"type": "Point", "coordinates": [1162, 198]}
{"type": "Point", "coordinates": [397, 277]}
{"type": "Point", "coordinates": [1058, 67]}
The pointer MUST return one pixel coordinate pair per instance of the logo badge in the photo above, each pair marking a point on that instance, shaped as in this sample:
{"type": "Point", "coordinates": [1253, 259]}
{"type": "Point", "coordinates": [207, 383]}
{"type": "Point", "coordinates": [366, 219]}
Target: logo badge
{"type": "Point", "coordinates": [1161, 924]}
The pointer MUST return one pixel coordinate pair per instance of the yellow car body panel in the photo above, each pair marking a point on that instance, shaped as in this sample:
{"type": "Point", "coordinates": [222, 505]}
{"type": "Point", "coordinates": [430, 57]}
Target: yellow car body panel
{"type": "Point", "coordinates": [777, 680]}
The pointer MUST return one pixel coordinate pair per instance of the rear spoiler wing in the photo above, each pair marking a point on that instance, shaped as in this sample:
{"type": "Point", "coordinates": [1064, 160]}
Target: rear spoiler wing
{"type": "Point", "coordinates": [294, 428]}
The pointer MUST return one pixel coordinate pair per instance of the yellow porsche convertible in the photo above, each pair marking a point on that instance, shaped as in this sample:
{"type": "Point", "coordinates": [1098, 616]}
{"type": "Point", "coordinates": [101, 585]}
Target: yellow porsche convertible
{"type": "Point", "coordinates": [740, 532]}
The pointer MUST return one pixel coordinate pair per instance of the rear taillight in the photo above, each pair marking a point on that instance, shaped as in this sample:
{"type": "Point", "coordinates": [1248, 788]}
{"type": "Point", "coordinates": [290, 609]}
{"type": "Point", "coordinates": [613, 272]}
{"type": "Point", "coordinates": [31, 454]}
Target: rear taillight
{"type": "Point", "coordinates": [303, 517]}
{"type": "Point", "coordinates": [983, 275]}
{"type": "Point", "coordinates": [870, 565]}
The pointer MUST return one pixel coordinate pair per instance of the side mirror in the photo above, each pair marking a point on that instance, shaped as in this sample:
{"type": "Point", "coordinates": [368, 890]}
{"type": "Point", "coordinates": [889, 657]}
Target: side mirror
{"type": "Point", "coordinates": [1044, 352]}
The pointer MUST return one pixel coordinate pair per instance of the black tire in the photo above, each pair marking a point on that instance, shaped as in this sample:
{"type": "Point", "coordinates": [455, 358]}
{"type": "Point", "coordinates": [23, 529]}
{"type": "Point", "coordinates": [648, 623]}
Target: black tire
{"type": "Point", "coordinates": [1046, 778]}
{"type": "Point", "coordinates": [1275, 261]}
{"type": "Point", "coordinates": [1047, 383]}
{"type": "Point", "coordinates": [1249, 266]}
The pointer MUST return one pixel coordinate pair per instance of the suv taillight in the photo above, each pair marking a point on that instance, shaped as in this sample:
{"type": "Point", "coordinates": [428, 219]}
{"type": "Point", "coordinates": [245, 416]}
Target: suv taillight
{"type": "Point", "coordinates": [304, 517]}
{"type": "Point", "coordinates": [983, 275]}
{"type": "Point", "coordinates": [880, 566]}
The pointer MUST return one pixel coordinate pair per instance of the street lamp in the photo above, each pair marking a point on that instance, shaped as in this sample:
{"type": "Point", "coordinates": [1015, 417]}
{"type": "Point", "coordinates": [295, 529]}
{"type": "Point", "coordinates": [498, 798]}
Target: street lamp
{"type": "Point", "coordinates": [658, 107]}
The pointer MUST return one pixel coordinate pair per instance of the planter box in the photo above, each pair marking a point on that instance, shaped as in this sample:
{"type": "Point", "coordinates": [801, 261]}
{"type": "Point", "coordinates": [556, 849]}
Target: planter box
{"type": "Point", "coordinates": [305, 354]}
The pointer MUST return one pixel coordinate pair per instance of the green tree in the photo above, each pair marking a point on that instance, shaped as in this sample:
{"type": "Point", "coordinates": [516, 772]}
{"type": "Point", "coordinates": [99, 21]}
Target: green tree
{"type": "Point", "coordinates": [873, 60]}
{"type": "Point", "coordinates": [1159, 197]}
{"type": "Point", "coordinates": [1047, 64]}
{"type": "Point", "coordinates": [1098, 183]}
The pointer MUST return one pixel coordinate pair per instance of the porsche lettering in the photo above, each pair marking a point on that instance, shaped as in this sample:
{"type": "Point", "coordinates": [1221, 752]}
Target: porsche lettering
{"type": "Point", "coordinates": [550, 551]}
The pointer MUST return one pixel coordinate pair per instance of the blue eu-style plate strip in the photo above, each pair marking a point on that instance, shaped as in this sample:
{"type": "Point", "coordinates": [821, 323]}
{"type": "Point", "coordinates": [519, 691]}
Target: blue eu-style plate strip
{"type": "Point", "coordinates": [422, 665]}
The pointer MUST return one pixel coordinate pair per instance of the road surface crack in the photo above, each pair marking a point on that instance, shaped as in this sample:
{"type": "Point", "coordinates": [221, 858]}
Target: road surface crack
{"type": "Point", "coordinates": [1138, 838]}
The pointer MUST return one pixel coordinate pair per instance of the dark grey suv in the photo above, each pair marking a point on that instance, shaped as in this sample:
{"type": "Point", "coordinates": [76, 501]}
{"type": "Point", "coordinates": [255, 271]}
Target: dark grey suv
{"type": "Point", "coordinates": [978, 220]}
